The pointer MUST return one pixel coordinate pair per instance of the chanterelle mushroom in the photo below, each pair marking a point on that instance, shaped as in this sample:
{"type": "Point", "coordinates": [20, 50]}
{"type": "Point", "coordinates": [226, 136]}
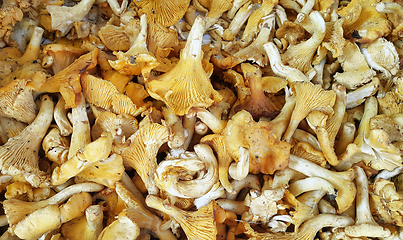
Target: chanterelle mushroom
{"type": "Point", "coordinates": [141, 152]}
{"type": "Point", "coordinates": [187, 84]}
{"type": "Point", "coordinates": [17, 101]}
{"type": "Point", "coordinates": [19, 156]}
{"type": "Point", "coordinates": [196, 225]}
{"type": "Point", "coordinates": [243, 131]}
{"type": "Point", "coordinates": [67, 81]}
{"type": "Point", "coordinates": [365, 225]}
{"type": "Point", "coordinates": [170, 172]}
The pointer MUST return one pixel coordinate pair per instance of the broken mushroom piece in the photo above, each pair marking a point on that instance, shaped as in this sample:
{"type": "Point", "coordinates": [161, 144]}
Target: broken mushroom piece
{"type": "Point", "coordinates": [63, 17]}
{"type": "Point", "coordinates": [262, 205]}
{"type": "Point", "coordinates": [19, 156]}
{"type": "Point", "coordinates": [137, 60]}
{"type": "Point", "coordinates": [56, 146]}
{"type": "Point", "coordinates": [88, 226]}
{"type": "Point", "coordinates": [386, 202]}
{"type": "Point", "coordinates": [381, 55]}
{"type": "Point", "coordinates": [122, 228]}
{"type": "Point", "coordinates": [355, 68]}
{"type": "Point", "coordinates": [187, 84]}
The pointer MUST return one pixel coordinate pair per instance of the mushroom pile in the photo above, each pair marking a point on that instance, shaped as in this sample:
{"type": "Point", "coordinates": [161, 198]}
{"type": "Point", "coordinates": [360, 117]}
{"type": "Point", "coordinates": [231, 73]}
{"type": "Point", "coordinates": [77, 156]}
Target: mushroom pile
{"type": "Point", "coordinates": [201, 119]}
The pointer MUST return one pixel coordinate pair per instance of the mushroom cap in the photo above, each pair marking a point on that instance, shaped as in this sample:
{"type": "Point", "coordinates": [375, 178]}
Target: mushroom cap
{"type": "Point", "coordinates": [118, 125]}
{"type": "Point", "coordinates": [67, 81]}
{"type": "Point", "coordinates": [18, 101]}
{"type": "Point", "coordinates": [114, 38]}
{"type": "Point", "coordinates": [121, 228]}
{"type": "Point", "coordinates": [391, 103]}
{"type": "Point", "coordinates": [196, 225]}
{"type": "Point", "coordinates": [356, 69]}
{"type": "Point", "coordinates": [165, 12]}
{"type": "Point", "coordinates": [106, 171]}
{"type": "Point", "coordinates": [63, 55]}
{"type": "Point", "coordinates": [141, 154]}
{"type": "Point", "coordinates": [290, 31]}
{"type": "Point", "coordinates": [306, 151]}
{"type": "Point", "coordinates": [243, 131]}
{"type": "Point", "coordinates": [187, 84]}
{"type": "Point", "coordinates": [161, 40]}
{"type": "Point", "coordinates": [110, 99]}
{"type": "Point", "coordinates": [98, 91]}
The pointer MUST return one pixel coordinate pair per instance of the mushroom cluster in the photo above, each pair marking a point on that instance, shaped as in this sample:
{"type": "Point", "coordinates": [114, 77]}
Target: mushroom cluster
{"type": "Point", "coordinates": [201, 119]}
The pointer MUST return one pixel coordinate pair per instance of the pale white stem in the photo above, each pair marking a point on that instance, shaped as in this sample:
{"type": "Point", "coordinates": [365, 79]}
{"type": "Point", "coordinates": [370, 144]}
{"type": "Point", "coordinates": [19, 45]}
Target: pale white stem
{"type": "Point", "coordinates": [239, 170]}
{"type": "Point", "coordinates": [276, 64]}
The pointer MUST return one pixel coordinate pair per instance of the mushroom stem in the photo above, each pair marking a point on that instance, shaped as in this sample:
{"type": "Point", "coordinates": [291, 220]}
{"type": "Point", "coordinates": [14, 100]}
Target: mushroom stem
{"type": "Point", "coordinates": [365, 224]}
{"type": "Point", "coordinates": [250, 181]}
{"type": "Point", "coordinates": [239, 170]}
{"type": "Point", "coordinates": [310, 184]}
{"type": "Point", "coordinates": [128, 183]}
{"type": "Point", "coordinates": [142, 216]}
{"type": "Point", "coordinates": [189, 128]}
{"type": "Point", "coordinates": [196, 39]}
{"type": "Point", "coordinates": [94, 216]}
{"type": "Point", "coordinates": [16, 209]}
{"type": "Point", "coordinates": [60, 115]}
{"type": "Point", "coordinates": [346, 137]}
{"type": "Point", "coordinates": [283, 118]}
{"type": "Point", "coordinates": [276, 64]}
{"type": "Point", "coordinates": [33, 49]}
{"type": "Point", "coordinates": [340, 180]}
{"type": "Point", "coordinates": [81, 135]}
{"type": "Point", "coordinates": [215, 124]}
